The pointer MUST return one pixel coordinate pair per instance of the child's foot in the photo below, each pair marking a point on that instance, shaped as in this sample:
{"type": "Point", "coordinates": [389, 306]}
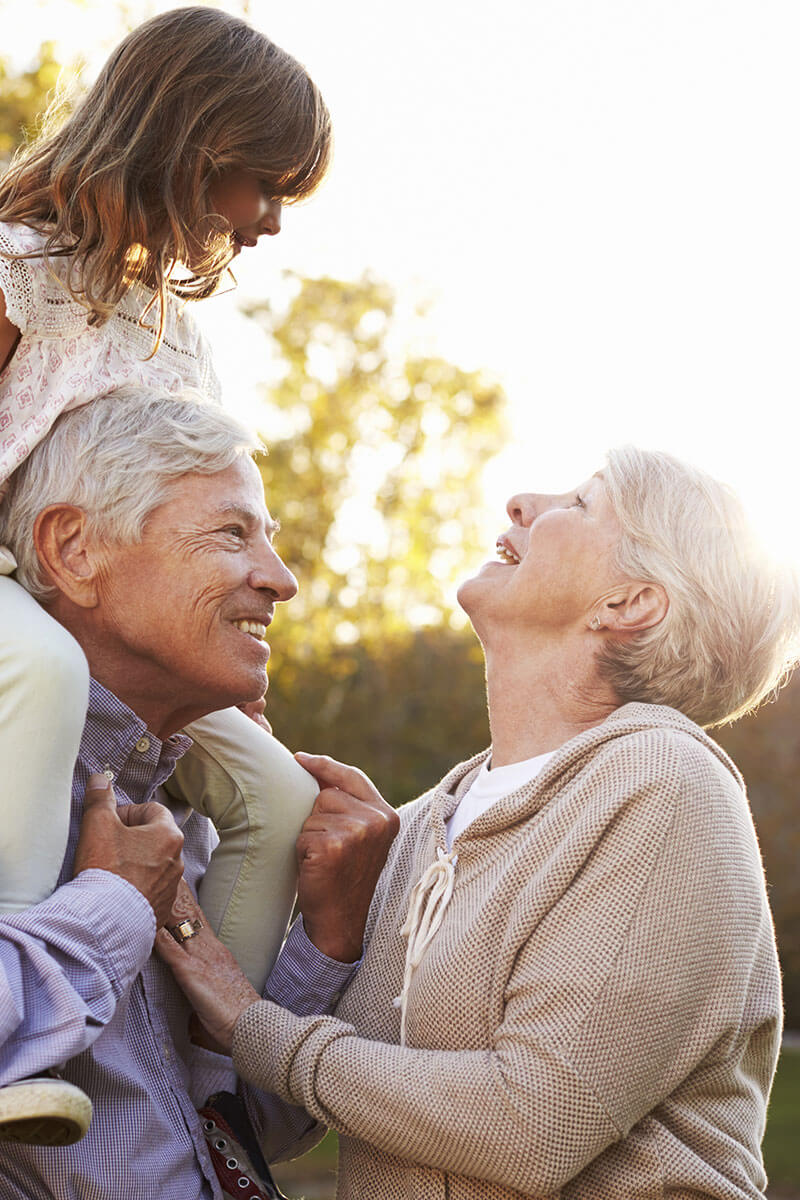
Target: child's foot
{"type": "Point", "coordinates": [43, 1112]}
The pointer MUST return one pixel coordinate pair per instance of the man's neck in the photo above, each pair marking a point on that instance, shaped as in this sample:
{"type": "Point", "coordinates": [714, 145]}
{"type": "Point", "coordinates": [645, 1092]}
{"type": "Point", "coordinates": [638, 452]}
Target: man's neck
{"type": "Point", "coordinates": [132, 681]}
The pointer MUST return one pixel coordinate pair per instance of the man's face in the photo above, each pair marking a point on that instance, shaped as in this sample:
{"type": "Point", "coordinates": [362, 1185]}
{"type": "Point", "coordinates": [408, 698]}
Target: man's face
{"type": "Point", "coordinates": [183, 613]}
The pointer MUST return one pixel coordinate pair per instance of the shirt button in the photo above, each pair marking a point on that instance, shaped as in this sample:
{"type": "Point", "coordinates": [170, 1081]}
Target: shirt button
{"type": "Point", "coordinates": [143, 745]}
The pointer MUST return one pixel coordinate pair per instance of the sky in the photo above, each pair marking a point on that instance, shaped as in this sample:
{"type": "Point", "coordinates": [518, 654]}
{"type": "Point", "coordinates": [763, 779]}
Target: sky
{"type": "Point", "coordinates": [598, 200]}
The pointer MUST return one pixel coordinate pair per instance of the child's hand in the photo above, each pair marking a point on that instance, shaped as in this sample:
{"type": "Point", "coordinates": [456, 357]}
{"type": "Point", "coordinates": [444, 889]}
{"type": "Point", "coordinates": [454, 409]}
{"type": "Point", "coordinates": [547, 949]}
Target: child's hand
{"type": "Point", "coordinates": [254, 709]}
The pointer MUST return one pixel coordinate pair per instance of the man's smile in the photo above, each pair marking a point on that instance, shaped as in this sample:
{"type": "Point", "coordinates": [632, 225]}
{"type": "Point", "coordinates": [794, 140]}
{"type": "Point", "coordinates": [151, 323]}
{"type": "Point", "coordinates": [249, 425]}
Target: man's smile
{"type": "Point", "coordinates": [256, 629]}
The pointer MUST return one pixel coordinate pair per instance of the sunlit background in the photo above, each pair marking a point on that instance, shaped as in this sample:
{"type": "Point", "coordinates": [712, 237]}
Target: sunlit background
{"type": "Point", "coordinates": [595, 201]}
{"type": "Point", "coordinates": [599, 200]}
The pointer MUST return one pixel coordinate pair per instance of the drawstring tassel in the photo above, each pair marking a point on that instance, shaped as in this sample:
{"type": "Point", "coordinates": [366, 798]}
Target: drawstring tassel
{"type": "Point", "coordinates": [429, 899]}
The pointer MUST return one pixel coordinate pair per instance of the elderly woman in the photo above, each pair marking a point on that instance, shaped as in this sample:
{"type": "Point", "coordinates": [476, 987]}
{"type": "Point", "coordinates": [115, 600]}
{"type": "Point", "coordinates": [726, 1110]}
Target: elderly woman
{"type": "Point", "coordinates": [569, 984]}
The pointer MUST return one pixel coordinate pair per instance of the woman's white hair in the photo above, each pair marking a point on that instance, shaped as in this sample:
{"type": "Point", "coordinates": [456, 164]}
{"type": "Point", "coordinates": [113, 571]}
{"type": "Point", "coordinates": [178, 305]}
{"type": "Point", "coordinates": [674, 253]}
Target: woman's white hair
{"type": "Point", "coordinates": [732, 630]}
{"type": "Point", "coordinates": [115, 458]}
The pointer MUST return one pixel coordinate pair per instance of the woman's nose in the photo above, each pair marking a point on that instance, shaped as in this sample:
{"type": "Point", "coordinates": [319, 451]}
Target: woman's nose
{"type": "Point", "coordinates": [524, 508]}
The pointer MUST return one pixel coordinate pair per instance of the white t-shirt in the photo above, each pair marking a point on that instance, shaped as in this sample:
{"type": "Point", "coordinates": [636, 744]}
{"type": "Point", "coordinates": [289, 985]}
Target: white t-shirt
{"type": "Point", "coordinates": [490, 785]}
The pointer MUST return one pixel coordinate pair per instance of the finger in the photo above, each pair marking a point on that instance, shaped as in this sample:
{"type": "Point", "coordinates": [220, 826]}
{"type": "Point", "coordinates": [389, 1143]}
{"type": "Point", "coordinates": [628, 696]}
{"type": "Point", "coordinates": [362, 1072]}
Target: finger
{"type": "Point", "coordinates": [99, 793]}
{"type": "Point", "coordinates": [184, 905]}
{"type": "Point", "coordinates": [331, 773]}
{"type": "Point", "coordinates": [150, 813]}
{"type": "Point", "coordinates": [333, 800]}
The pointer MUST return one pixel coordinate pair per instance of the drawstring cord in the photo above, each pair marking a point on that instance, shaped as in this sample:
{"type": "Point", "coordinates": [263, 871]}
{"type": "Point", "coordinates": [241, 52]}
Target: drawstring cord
{"type": "Point", "coordinates": [429, 899]}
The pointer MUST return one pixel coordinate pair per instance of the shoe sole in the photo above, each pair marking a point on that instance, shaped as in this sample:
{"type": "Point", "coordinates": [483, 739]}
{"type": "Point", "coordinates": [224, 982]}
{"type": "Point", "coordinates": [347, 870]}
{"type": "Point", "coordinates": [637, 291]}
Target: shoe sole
{"type": "Point", "coordinates": [44, 1114]}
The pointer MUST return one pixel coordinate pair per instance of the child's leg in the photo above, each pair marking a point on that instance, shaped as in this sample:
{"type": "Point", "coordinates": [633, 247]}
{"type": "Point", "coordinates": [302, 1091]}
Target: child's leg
{"type": "Point", "coordinates": [44, 687]}
{"type": "Point", "coordinates": [258, 797]}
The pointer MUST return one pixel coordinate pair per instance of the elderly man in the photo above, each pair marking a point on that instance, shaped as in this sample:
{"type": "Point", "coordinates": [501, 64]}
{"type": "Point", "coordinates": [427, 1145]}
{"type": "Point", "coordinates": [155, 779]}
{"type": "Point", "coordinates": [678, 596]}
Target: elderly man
{"type": "Point", "coordinates": [159, 577]}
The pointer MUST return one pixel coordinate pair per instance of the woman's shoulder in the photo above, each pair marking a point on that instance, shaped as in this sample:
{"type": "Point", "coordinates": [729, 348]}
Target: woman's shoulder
{"type": "Point", "coordinates": [647, 740]}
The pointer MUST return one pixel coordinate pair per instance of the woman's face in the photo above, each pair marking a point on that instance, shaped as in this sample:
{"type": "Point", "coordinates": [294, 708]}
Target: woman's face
{"type": "Point", "coordinates": [239, 196]}
{"type": "Point", "coordinates": [556, 563]}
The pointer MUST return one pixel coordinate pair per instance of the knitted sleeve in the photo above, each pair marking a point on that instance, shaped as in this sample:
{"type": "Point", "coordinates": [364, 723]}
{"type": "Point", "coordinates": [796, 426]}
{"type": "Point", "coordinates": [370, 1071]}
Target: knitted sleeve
{"type": "Point", "coordinates": [640, 978]}
{"type": "Point", "coordinates": [16, 282]}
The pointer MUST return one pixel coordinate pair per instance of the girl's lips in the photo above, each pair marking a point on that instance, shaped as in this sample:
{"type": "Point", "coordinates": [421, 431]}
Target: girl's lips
{"type": "Point", "coordinates": [240, 240]}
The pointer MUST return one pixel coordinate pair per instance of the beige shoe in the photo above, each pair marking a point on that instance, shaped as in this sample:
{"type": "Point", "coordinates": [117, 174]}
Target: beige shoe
{"type": "Point", "coordinates": [43, 1112]}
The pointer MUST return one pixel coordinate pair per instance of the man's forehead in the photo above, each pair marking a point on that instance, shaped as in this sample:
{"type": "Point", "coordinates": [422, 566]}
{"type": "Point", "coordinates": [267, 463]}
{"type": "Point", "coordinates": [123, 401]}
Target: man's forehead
{"type": "Point", "coordinates": [235, 493]}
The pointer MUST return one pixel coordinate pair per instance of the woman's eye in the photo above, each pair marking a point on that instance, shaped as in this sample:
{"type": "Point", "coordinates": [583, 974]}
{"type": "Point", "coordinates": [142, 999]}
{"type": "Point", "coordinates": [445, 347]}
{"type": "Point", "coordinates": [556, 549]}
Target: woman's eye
{"type": "Point", "coordinates": [579, 501]}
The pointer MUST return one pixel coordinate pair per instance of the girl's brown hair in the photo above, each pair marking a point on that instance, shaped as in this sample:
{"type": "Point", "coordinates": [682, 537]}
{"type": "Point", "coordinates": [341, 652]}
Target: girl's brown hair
{"type": "Point", "coordinates": [123, 185]}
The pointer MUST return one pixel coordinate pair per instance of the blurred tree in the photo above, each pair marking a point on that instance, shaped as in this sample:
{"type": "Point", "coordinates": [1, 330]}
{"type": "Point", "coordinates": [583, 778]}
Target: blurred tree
{"type": "Point", "coordinates": [766, 749]}
{"type": "Point", "coordinates": [404, 709]}
{"type": "Point", "coordinates": [374, 467]}
{"type": "Point", "coordinates": [377, 476]}
{"type": "Point", "coordinates": [25, 96]}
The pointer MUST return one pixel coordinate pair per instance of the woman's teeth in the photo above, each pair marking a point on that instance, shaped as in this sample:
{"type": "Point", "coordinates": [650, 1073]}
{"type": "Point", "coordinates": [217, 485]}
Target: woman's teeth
{"type": "Point", "coordinates": [253, 627]}
{"type": "Point", "coordinates": [507, 554]}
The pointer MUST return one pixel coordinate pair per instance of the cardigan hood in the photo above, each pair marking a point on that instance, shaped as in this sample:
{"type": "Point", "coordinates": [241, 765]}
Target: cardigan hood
{"type": "Point", "coordinates": [628, 721]}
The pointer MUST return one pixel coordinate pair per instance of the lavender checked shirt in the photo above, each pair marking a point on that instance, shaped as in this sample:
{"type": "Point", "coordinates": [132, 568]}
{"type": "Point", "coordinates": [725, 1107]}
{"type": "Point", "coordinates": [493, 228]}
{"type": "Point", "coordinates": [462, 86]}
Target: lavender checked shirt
{"type": "Point", "coordinates": [79, 986]}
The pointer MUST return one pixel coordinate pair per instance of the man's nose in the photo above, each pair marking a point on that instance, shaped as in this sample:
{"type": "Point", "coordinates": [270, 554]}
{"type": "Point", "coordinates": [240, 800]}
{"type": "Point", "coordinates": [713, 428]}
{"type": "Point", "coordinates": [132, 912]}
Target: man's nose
{"type": "Point", "coordinates": [271, 220]}
{"type": "Point", "coordinates": [272, 575]}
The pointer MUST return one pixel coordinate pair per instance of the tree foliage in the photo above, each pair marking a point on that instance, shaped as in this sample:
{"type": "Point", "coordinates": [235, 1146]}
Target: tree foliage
{"type": "Point", "coordinates": [24, 96]}
{"type": "Point", "coordinates": [377, 477]}
{"type": "Point", "coordinates": [766, 749]}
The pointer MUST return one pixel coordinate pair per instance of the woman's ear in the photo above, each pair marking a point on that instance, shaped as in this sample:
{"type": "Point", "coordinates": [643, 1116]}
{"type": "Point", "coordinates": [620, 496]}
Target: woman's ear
{"type": "Point", "coordinates": [640, 606]}
{"type": "Point", "coordinates": [68, 552]}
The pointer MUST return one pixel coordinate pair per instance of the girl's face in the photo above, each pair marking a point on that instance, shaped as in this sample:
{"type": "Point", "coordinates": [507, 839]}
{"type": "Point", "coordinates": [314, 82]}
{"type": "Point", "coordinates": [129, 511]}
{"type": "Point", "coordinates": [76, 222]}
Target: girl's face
{"type": "Point", "coordinates": [239, 196]}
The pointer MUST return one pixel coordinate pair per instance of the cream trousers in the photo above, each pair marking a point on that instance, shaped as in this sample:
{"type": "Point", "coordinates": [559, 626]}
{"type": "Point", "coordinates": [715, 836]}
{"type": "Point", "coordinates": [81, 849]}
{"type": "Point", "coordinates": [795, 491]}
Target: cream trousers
{"type": "Point", "coordinates": [236, 774]}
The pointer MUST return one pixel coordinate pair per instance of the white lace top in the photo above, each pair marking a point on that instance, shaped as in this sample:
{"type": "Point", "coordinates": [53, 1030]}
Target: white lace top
{"type": "Point", "coordinates": [62, 362]}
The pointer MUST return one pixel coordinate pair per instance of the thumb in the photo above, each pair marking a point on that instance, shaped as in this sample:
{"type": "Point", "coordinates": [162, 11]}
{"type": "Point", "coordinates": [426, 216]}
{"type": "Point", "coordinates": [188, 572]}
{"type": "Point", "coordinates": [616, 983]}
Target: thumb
{"type": "Point", "coordinates": [99, 793]}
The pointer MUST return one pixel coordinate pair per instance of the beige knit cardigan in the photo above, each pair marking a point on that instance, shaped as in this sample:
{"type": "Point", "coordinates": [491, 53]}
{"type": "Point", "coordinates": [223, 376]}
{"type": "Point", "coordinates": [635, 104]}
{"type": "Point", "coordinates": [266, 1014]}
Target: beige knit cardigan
{"type": "Point", "coordinates": [598, 1016]}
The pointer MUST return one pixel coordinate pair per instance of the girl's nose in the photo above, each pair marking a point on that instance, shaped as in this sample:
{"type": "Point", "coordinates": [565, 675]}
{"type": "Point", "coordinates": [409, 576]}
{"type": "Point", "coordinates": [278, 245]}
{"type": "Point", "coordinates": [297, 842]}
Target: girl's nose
{"type": "Point", "coordinates": [271, 220]}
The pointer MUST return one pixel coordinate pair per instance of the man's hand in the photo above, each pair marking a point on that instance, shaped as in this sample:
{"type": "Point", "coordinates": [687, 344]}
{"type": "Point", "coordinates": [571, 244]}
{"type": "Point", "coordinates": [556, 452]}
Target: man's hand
{"type": "Point", "coordinates": [341, 851]}
{"type": "Point", "coordinates": [140, 842]}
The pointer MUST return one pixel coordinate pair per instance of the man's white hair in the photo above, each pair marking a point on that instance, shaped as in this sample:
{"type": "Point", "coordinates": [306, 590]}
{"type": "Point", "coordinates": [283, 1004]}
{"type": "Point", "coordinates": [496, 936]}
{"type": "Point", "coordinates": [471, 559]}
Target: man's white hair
{"type": "Point", "coordinates": [115, 458]}
{"type": "Point", "coordinates": [732, 630]}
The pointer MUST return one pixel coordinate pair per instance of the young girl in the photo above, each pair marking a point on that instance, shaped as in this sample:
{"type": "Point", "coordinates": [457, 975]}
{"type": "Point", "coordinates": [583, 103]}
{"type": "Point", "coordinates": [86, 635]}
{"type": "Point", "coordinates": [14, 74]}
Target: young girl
{"type": "Point", "coordinates": [182, 153]}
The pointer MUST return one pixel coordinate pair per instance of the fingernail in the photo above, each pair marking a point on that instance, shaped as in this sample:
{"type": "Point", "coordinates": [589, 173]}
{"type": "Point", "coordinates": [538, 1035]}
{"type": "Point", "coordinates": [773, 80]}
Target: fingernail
{"type": "Point", "coordinates": [98, 783]}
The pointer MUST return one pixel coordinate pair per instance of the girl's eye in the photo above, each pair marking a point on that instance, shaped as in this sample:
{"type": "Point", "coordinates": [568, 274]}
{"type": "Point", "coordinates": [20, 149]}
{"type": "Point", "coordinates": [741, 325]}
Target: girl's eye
{"type": "Point", "coordinates": [579, 501]}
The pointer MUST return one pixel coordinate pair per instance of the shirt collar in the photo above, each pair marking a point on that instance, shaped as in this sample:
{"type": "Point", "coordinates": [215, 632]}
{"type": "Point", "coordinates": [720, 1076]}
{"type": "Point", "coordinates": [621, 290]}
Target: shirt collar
{"type": "Point", "coordinates": [119, 743]}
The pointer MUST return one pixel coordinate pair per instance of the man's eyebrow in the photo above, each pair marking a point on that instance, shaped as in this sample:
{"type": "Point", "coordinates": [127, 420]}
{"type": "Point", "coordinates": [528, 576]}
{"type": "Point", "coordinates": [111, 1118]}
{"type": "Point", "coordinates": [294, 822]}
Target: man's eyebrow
{"type": "Point", "coordinates": [249, 516]}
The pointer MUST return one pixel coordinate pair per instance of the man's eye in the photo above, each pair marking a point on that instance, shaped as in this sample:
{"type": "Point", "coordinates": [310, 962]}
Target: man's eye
{"type": "Point", "coordinates": [234, 530]}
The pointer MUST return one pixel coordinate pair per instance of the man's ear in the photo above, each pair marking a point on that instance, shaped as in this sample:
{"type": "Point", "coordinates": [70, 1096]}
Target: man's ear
{"type": "Point", "coordinates": [639, 606]}
{"type": "Point", "coordinates": [68, 553]}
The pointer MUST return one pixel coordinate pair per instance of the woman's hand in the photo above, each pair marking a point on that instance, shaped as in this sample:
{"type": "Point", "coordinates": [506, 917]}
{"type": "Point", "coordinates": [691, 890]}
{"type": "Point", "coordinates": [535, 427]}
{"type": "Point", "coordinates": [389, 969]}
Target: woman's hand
{"type": "Point", "coordinates": [341, 852]}
{"type": "Point", "coordinates": [208, 974]}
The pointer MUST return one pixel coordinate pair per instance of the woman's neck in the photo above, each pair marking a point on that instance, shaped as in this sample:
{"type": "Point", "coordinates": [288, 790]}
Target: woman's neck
{"type": "Point", "coordinates": [540, 697]}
